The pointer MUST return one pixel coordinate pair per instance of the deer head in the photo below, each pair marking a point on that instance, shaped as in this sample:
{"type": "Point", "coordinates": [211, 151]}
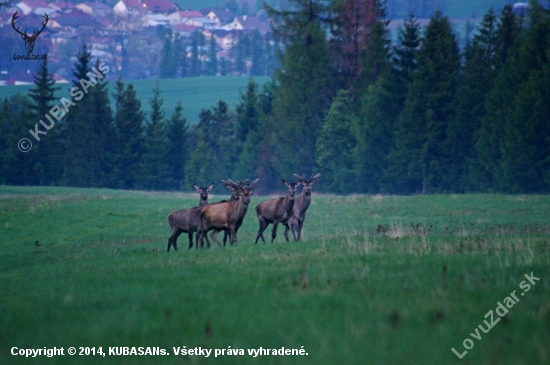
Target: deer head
{"type": "Point", "coordinates": [292, 187]}
{"type": "Point", "coordinates": [29, 39]}
{"type": "Point", "coordinates": [308, 184]}
{"type": "Point", "coordinates": [204, 191]}
{"type": "Point", "coordinates": [245, 190]}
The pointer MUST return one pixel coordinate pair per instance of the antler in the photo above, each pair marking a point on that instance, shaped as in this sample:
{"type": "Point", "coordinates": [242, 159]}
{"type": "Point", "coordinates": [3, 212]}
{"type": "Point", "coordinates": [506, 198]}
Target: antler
{"type": "Point", "coordinates": [35, 33]}
{"type": "Point", "coordinates": [253, 185]}
{"type": "Point", "coordinates": [299, 177]}
{"type": "Point", "coordinates": [43, 25]}
{"type": "Point", "coordinates": [15, 16]}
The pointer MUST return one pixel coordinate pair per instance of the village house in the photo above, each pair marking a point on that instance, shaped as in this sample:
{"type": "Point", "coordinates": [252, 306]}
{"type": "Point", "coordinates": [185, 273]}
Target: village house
{"type": "Point", "coordinates": [128, 7]}
{"type": "Point", "coordinates": [62, 6]}
{"type": "Point", "coordinates": [178, 17]}
{"type": "Point", "coordinates": [27, 6]}
{"type": "Point", "coordinates": [160, 6]}
{"type": "Point", "coordinates": [225, 39]}
{"type": "Point", "coordinates": [248, 23]}
{"type": "Point", "coordinates": [95, 9]}
{"type": "Point", "coordinates": [204, 23]}
{"type": "Point", "coordinates": [153, 20]}
{"type": "Point", "coordinates": [221, 17]}
{"type": "Point", "coordinates": [185, 30]}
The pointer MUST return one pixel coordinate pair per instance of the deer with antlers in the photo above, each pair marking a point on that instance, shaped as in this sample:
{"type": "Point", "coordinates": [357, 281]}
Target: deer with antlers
{"type": "Point", "coordinates": [276, 211]}
{"type": "Point", "coordinates": [227, 215]}
{"type": "Point", "coordinates": [296, 221]}
{"type": "Point", "coordinates": [29, 39]}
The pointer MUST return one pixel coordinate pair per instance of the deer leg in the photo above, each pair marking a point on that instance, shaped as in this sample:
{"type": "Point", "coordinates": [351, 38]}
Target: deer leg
{"type": "Point", "coordinates": [225, 234]}
{"type": "Point", "coordinates": [263, 226]}
{"type": "Point", "coordinates": [274, 231]}
{"type": "Point", "coordinates": [206, 238]}
{"type": "Point", "coordinates": [213, 236]}
{"type": "Point", "coordinates": [233, 234]}
{"type": "Point", "coordinates": [299, 233]}
{"type": "Point", "coordinates": [236, 230]}
{"type": "Point", "coordinates": [201, 235]}
{"type": "Point", "coordinates": [286, 231]}
{"type": "Point", "coordinates": [190, 234]}
{"type": "Point", "coordinates": [172, 241]}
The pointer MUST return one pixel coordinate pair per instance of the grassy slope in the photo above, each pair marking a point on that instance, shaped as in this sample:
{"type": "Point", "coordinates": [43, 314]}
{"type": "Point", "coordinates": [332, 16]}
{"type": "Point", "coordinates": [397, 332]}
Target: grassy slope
{"type": "Point", "coordinates": [349, 295]}
{"type": "Point", "coordinates": [454, 8]}
{"type": "Point", "coordinates": [195, 93]}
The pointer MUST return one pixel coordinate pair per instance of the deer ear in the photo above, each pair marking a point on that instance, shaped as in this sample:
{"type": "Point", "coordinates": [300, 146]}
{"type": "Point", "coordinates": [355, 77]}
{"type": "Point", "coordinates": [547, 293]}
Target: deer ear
{"type": "Point", "coordinates": [285, 182]}
{"type": "Point", "coordinates": [197, 188]}
{"type": "Point", "coordinates": [209, 188]}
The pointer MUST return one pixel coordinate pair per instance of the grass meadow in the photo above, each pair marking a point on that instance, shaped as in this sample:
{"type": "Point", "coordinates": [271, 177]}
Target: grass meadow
{"type": "Point", "coordinates": [375, 280]}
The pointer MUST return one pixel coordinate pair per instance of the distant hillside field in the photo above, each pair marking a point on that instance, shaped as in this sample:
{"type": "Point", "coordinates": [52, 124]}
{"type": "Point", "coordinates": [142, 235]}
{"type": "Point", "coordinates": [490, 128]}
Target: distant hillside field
{"type": "Point", "coordinates": [452, 8]}
{"type": "Point", "coordinates": [195, 93]}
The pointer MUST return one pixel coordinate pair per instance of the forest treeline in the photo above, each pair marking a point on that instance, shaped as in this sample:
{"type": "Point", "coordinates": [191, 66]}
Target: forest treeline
{"type": "Point", "coordinates": [419, 115]}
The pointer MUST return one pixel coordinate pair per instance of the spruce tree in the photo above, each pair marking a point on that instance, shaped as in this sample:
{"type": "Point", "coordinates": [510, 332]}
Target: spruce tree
{"type": "Point", "coordinates": [476, 80]}
{"type": "Point", "coordinates": [498, 101]}
{"type": "Point", "coordinates": [305, 87]}
{"type": "Point", "coordinates": [50, 146]}
{"type": "Point", "coordinates": [154, 168]}
{"type": "Point", "coordinates": [248, 131]}
{"type": "Point", "coordinates": [195, 63]}
{"type": "Point", "coordinates": [168, 61]}
{"type": "Point", "coordinates": [335, 146]}
{"type": "Point", "coordinates": [177, 151]}
{"type": "Point", "coordinates": [421, 155]}
{"type": "Point", "coordinates": [87, 125]}
{"type": "Point", "coordinates": [212, 63]}
{"type": "Point", "coordinates": [129, 140]}
{"type": "Point", "coordinates": [520, 126]}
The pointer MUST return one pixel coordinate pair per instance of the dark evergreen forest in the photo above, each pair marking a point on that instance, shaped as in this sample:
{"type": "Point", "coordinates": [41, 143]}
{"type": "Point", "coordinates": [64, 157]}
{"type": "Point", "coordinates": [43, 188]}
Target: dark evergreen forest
{"type": "Point", "coordinates": [419, 115]}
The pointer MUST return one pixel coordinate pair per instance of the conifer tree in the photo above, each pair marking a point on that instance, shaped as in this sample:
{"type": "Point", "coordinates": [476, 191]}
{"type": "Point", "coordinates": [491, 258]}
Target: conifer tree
{"type": "Point", "coordinates": [335, 146]}
{"type": "Point", "coordinates": [476, 80]}
{"type": "Point", "coordinates": [129, 139]}
{"type": "Point", "coordinates": [212, 63]}
{"type": "Point", "coordinates": [19, 168]}
{"type": "Point", "coordinates": [177, 151]}
{"type": "Point", "coordinates": [520, 125]}
{"type": "Point", "coordinates": [305, 86]}
{"type": "Point", "coordinates": [168, 61]}
{"type": "Point", "coordinates": [50, 147]}
{"type": "Point", "coordinates": [154, 168]}
{"type": "Point", "coordinates": [87, 126]}
{"type": "Point", "coordinates": [421, 154]}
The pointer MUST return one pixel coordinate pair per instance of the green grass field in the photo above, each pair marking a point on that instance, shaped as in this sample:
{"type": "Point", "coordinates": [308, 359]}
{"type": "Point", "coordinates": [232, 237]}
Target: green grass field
{"type": "Point", "coordinates": [195, 93]}
{"type": "Point", "coordinates": [366, 285]}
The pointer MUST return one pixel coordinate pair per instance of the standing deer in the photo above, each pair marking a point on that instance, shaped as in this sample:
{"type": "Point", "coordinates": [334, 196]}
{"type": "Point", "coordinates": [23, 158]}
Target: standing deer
{"type": "Point", "coordinates": [234, 192]}
{"type": "Point", "coordinates": [187, 220]}
{"type": "Point", "coordinates": [296, 221]}
{"type": "Point", "coordinates": [276, 211]}
{"type": "Point", "coordinates": [226, 215]}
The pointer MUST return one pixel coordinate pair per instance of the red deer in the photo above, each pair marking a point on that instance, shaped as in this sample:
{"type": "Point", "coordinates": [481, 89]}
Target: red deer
{"type": "Point", "coordinates": [226, 215]}
{"type": "Point", "coordinates": [187, 220]}
{"type": "Point", "coordinates": [276, 211]}
{"type": "Point", "coordinates": [296, 221]}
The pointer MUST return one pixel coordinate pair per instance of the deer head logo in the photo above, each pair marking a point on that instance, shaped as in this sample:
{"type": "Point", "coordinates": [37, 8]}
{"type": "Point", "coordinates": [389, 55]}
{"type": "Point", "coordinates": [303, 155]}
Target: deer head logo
{"type": "Point", "coordinates": [29, 39]}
